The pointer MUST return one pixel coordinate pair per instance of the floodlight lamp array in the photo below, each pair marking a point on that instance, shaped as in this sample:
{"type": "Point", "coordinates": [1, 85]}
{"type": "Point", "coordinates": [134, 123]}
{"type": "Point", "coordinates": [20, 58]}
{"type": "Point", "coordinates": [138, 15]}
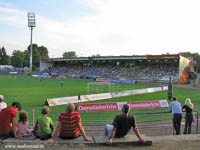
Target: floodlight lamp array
{"type": "Point", "coordinates": [31, 20]}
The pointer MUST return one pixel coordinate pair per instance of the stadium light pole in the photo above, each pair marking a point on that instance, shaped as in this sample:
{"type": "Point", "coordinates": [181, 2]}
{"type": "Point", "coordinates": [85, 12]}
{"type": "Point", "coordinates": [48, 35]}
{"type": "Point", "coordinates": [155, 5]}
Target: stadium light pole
{"type": "Point", "coordinates": [31, 24]}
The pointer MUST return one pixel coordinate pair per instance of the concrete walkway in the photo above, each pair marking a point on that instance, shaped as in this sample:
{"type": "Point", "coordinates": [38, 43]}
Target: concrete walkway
{"type": "Point", "coordinates": [180, 142]}
{"type": "Point", "coordinates": [15, 143]}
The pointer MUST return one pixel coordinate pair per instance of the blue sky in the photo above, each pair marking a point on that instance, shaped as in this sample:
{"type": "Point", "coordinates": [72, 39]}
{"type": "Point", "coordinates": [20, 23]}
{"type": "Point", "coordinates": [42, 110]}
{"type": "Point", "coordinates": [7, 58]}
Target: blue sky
{"type": "Point", "coordinates": [105, 27]}
{"type": "Point", "coordinates": [67, 9]}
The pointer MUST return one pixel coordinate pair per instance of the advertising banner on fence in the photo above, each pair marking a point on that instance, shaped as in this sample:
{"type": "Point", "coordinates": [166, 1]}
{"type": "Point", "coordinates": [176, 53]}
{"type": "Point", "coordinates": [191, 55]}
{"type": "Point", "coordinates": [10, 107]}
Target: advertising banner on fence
{"type": "Point", "coordinates": [102, 79]}
{"type": "Point", "coordinates": [164, 103]}
{"type": "Point", "coordinates": [94, 97]}
{"type": "Point", "coordinates": [138, 91]}
{"type": "Point", "coordinates": [97, 107]}
{"type": "Point", "coordinates": [118, 106]}
{"type": "Point", "coordinates": [144, 105]}
{"type": "Point", "coordinates": [74, 99]}
{"type": "Point", "coordinates": [62, 100]}
{"type": "Point", "coordinates": [101, 96]}
{"type": "Point", "coordinates": [122, 81]}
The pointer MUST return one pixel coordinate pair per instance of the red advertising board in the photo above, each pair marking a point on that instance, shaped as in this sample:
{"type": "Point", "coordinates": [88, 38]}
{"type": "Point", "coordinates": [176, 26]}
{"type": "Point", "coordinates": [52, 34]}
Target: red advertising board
{"type": "Point", "coordinates": [144, 105]}
{"type": "Point", "coordinates": [118, 106]}
{"type": "Point", "coordinates": [163, 57]}
{"type": "Point", "coordinates": [102, 79]}
{"type": "Point", "coordinates": [97, 107]}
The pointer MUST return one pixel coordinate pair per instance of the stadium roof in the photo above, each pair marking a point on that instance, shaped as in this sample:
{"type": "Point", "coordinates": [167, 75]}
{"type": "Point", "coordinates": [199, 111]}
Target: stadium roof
{"type": "Point", "coordinates": [134, 57]}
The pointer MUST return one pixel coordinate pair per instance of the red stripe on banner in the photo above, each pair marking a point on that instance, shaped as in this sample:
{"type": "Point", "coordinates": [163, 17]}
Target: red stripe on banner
{"type": "Point", "coordinates": [117, 106]}
{"type": "Point", "coordinates": [144, 105]}
{"type": "Point", "coordinates": [96, 107]}
{"type": "Point", "coordinates": [163, 57]}
{"type": "Point", "coordinates": [102, 79]}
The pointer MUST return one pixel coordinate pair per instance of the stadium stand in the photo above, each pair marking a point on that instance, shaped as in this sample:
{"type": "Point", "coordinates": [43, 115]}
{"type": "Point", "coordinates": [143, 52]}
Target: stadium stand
{"type": "Point", "coordinates": [152, 70]}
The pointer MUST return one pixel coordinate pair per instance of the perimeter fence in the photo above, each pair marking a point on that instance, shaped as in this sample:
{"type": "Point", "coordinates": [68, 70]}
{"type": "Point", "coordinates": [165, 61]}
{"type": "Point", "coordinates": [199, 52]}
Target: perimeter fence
{"type": "Point", "coordinates": [154, 122]}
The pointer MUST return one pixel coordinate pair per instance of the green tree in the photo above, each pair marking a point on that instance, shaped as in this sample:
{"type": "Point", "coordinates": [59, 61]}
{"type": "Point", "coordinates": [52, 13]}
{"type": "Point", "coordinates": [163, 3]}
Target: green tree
{"type": "Point", "coordinates": [35, 56]}
{"type": "Point", "coordinates": [17, 59]}
{"type": "Point", "coordinates": [26, 58]}
{"type": "Point", "coordinates": [1, 55]}
{"type": "Point", "coordinates": [4, 58]}
{"type": "Point", "coordinates": [70, 54]}
{"type": "Point", "coordinates": [37, 53]}
{"type": "Point", "coordinates": [97, 55]}
{"type": "Point", "coordinates": [43, 52]}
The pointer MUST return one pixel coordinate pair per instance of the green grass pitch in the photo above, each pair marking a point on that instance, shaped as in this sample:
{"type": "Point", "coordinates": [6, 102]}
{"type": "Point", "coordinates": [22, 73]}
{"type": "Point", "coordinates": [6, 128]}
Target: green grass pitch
{"type": "Point", "coordinates": [32, 93]}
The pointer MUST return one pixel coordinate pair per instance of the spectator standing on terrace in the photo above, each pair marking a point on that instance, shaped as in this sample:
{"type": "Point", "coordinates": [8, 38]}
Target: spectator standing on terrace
{"type": "Point", "coordinates": [188, 108]}
{"type": "Point", "coordinates": [2, 103]}
{"type": "Point", "coordinates": [121, 125]}
{"type": "Point", "coordinates": [69, 124]}
{"type": "Point", "coordinates": [8, 120]}
{"type": "Point", "coordinates": [175, 108]}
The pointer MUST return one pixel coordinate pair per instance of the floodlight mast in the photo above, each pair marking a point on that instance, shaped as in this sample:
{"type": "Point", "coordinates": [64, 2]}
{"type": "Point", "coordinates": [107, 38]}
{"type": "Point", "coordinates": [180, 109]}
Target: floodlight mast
{"type": "Point", "coordinates": [31, 24]}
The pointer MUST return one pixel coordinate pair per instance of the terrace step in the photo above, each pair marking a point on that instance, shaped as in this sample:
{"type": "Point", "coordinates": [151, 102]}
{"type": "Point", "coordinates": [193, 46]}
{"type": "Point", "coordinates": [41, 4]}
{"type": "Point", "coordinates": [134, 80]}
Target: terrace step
{"type": "Point", "coordinates": [97, 140]}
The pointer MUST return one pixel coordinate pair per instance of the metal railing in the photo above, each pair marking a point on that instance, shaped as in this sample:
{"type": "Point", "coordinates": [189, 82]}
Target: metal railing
{"type": "Point", "coordinates": [160, 121]}
{"type": "Point", "coordinates": [170, 125]}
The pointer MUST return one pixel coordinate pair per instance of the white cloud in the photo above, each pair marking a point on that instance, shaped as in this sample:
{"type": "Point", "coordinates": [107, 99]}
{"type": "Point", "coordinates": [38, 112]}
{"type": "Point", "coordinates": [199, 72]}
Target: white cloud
{"type": "Point", "coordinates": [117, 27]}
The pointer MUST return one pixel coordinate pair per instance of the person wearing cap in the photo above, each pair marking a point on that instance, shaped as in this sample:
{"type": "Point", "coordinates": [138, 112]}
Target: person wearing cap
{"type": "Point", "coordinates": [121, 125]}
{"type": "Point", "coordinates": [69, 124]}
{"type": "Point", "coordinates": [8, 120]}
{"type": "Point", "coordinates": [175, 108]}
{"type": "Point", "coordinates": [2, 103]}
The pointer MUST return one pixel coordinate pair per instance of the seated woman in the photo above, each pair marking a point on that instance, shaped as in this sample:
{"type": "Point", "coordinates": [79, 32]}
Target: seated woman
{"type": "Point", "coordinates": [69, 124]}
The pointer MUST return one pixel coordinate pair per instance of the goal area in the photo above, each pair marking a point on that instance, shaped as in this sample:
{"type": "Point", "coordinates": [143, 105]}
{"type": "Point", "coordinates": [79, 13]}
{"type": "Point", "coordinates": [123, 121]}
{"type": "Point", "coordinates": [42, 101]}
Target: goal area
{"type": "Point", "coordinates": [101, 87]}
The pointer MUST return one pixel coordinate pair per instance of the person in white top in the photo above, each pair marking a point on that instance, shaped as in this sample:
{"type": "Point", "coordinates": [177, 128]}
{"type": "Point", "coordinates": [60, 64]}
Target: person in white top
{"type": "Point", "coordinates": [2, 103]}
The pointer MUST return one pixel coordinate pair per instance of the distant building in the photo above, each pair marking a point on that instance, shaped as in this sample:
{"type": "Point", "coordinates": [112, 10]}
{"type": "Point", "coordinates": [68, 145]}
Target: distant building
{"type": "Point", "coordinates": [6, 67]}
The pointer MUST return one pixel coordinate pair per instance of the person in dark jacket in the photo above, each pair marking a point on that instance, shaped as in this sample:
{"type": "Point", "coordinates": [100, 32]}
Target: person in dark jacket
{"type": "Point", "coordinates": [188, 108]}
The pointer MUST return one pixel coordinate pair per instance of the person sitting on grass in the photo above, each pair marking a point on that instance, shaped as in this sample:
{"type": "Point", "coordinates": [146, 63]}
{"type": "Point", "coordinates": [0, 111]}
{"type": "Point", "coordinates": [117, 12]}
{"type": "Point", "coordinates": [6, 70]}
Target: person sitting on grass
{"type": "Point", "coordinates": [23, 129]}
{"type": "Point", "coordinates": [8, 120]}
{"type": "Point", "coordinates": [121, 126]}
{"type": "Point", "coordinates": [2, 103]}
{"type": "Point", "coordinates": [44, 125]}
{"type": "Point", "coordinates": [69, 124]}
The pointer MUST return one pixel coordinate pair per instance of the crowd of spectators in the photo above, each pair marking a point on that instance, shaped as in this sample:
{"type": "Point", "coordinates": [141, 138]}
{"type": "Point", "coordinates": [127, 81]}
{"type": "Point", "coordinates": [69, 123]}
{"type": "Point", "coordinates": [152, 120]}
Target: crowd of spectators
{"type": "Point", "coordinates": [142, 71]}
{"type": "Point", "coordinates": [110, 71]}
{"type": "Point", "coordinates": [158, 71]}
{"type": "Point", "coordinates": [18, 70]}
